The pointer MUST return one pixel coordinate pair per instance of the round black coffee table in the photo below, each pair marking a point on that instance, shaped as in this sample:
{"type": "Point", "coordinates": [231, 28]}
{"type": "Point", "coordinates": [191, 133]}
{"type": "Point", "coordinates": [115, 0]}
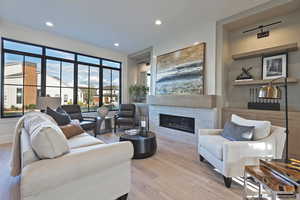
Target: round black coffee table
{"type": "Point", "coordinates": [144, 144]}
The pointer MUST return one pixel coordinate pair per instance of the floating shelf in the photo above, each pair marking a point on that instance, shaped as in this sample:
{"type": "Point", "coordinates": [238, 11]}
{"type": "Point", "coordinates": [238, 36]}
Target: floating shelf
{"type": "Point", "coordinates": [263, 82]}
{"type": "Point", "coordinates": [267, 51]}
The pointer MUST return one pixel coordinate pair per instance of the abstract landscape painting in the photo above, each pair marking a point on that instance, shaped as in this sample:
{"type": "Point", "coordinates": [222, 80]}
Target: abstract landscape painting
{"type": "Point", "coordinates": [181, 72]}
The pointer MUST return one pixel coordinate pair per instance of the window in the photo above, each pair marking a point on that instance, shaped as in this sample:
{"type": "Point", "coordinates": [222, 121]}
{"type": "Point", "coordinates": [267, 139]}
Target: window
{"type": "Point", "coordinates": [88, 59]}
{"type": "Point", "coordinates": [111, 88]}
{"type": "Point", "coordinates": [60, 80]}
{"type": "Point", "coordinates": [149, 81]}
{"type": "Point", "coordinates": [60, 54]}
{"type": "Point", "coordinates": [31, 70]}
{"type": "Point", "coordinates": [88, 87]}
{"type": "Point", "coordinates": [108, 63]}
{"type": "Point", "coordinates": [22, 79]}
{"type": "Point", "coordinates": [11, 45]}
{"type": "Point", "coordinates": [19, 96]}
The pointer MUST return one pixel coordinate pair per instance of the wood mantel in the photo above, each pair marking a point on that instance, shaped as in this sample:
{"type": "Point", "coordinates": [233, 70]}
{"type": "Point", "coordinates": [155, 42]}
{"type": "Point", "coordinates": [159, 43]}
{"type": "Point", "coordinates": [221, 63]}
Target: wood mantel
{"type": "Point", "coordinates": [191, 101]}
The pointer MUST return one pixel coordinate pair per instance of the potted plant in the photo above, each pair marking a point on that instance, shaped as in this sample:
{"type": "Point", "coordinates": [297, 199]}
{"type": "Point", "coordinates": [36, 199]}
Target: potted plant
{"type": "Point", "coordinates": [138, 92]}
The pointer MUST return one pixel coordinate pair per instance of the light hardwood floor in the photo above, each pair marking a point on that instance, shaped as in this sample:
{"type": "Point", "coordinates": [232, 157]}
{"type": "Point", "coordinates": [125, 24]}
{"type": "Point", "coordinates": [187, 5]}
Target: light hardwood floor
{"type": "Point", "coordinates": [173, 173]}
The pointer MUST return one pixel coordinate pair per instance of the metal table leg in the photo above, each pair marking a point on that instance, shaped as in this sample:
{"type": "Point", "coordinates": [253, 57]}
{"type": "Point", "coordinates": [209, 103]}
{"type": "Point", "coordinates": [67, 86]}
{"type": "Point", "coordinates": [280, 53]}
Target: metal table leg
{"type": "Point", "coordinates": [273, 196]}
{"type": "Point", "coordinates": [245, 185]}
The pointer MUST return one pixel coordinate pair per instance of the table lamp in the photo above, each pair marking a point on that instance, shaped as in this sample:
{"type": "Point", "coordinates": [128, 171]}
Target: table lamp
{"type": "Point", "coordinates": [51, 102]}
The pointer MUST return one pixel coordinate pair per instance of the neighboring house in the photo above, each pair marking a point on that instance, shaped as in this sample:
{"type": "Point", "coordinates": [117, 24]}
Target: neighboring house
{"type": "Point", "coordinates": [13, 95]}
{"type": "Point", "coordinates": [110, 95]}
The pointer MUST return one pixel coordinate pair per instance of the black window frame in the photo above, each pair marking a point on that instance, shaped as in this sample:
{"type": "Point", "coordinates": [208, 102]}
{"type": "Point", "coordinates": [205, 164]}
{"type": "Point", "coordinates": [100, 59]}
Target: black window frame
{"type": "Point", "coordinates": [44, 58]}
{"type": "Point", "coordinates": [22, 86]}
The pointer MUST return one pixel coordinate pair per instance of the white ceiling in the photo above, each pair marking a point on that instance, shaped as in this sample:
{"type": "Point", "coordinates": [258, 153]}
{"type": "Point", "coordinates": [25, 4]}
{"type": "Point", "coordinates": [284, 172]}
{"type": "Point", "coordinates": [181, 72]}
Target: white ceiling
{"type": "Point", "coordinates": [128, 22]}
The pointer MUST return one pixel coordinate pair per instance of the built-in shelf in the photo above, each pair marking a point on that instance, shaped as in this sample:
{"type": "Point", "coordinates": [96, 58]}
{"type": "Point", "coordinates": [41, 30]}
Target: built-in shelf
{"type": "Point", "coordinates": [263, 82]}
{"type": "Point", "coordinates": [266, 51]}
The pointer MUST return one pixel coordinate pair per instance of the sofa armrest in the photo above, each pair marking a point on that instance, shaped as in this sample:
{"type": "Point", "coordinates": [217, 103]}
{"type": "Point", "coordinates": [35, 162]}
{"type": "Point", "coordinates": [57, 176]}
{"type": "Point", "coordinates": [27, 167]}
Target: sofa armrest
{"type": "Point", "coordinates": [51, 173]}
{"type": "Point", "coordinates": [86, 118]}
{"type": "Point", "coordinates": [209, 131]}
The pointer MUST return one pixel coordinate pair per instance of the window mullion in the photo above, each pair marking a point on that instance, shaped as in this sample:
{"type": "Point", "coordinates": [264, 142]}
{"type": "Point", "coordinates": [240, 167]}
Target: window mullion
{"type": "Point", "coordinates": [75, 89]}
{"type": "Point", "coordinates": [60, 77]}
{"type": "Point", "coordinates": [101, 86]}
{"type": "Point", "coordinates": [43, 73]}
{"type": "Point", "coordinates": [23, 91]}
{"type": "Point", "coordinates": [111, 95]}
{"type": "Point", "coordinates": [89, 79]}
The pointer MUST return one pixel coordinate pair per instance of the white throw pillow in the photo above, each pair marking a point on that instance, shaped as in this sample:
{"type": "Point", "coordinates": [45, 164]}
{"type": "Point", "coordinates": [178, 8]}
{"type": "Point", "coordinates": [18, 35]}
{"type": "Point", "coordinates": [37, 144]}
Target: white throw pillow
{"type": "Point", "coordinates": [33, 119]}
{"type": "Point", "coordinates": [47, 139]}
{"type": "Point", "coordinates": [262, 128]}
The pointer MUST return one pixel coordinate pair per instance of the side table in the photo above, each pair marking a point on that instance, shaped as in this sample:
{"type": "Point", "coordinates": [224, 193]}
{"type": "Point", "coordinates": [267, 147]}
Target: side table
{"type": "Point", "coordinates": [108, 124]}
{"type": "Point", "coordinates": [266, 179]}
{"type": "Point", "coordinates": [144, 145]}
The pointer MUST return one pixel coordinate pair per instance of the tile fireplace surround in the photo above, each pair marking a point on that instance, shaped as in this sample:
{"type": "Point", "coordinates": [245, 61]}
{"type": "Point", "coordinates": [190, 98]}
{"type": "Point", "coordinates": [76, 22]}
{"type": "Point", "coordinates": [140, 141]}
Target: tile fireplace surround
{"type": "Point", "coordinates": [204, 118]}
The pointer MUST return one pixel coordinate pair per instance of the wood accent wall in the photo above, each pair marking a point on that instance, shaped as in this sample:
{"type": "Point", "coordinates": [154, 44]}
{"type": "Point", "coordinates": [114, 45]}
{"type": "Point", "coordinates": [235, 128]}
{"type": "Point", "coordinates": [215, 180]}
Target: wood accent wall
{"type": "Point", "coordinates": [276, 118]}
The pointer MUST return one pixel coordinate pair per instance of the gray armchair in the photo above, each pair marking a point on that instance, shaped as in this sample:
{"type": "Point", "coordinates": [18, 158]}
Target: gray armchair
{"type": "Point", "coordinates": [87, 123]}
{"type": "Point", "coordinates": [125, 116]}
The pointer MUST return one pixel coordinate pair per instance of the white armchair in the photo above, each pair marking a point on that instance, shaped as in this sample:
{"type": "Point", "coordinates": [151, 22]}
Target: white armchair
{"type": "Point", "coordinates": [230, 157]}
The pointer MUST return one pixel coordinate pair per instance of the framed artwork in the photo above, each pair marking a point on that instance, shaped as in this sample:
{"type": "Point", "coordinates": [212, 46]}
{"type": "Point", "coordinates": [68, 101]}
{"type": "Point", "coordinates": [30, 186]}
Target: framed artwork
{"type": "Point", "coordinates": [274, 66]}
{"type": "Point", "coordinates": [181, 72]}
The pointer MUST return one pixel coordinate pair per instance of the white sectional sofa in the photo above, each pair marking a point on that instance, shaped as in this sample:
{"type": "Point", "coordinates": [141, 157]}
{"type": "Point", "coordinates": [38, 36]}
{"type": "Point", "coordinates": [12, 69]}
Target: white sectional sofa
{"type": "Point", "coordinates": [91, 170]}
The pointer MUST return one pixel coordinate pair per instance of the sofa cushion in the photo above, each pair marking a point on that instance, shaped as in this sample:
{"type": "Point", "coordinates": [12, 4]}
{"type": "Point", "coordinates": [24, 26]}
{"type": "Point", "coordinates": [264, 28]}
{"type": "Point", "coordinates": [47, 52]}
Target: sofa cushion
{"type": "Point", "coordinates": [74, 111]}
{"type": "Point", "coordinates": [126, 113]}
{"type": "Point", "coordinates": [60, 116]}
{"type": "Point", "coordinates": [87, 125]}
{"type": "Point", "coordinates": [124, 120]}
{"type": "Point", "coordinates": [262, 128]}
{"type": "Point", "coordinates": [235, 132]}
{"type": "Point", "coordinates": [71, 130]}
{"type": "Point", "coordinates": [32, 121]}
{"type": "Point", "coordinates": [213, 144]}
{"type": "Point", "coordinates": [83, 140]}
{"type": "Point", "coordinates": [28, 156]}
{"type": "Point", "coordinates": [47, 139]}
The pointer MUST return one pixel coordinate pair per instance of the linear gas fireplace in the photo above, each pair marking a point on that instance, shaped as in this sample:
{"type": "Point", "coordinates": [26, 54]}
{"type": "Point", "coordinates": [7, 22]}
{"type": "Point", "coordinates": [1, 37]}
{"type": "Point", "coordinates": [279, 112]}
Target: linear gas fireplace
{"type": "Point", "coordinates": [186, 124]}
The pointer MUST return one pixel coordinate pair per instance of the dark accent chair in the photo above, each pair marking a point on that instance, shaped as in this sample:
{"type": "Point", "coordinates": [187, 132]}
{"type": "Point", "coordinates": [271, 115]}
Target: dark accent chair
{"type": "Point", "coordinates": [125, 116]}
{"type": "Point", "coordinates": [87, 123]}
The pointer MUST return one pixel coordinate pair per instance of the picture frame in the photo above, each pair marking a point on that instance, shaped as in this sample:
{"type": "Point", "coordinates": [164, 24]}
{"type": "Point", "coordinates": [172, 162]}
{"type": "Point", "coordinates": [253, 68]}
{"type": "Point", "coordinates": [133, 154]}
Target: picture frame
{"type": "Point", "coordinates": [181, 72]}
{"type": "Point", "coordinates": [274, 66]}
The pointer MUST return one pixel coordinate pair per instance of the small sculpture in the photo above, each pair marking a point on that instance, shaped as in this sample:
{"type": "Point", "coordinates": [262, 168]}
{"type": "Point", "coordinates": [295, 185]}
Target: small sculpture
{"type": "Point", "coordinates": [245, 74]}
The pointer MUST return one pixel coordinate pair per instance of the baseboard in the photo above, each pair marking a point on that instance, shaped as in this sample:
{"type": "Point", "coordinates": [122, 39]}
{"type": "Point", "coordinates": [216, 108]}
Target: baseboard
{"type": "Point", "coordinates": [6, 139]}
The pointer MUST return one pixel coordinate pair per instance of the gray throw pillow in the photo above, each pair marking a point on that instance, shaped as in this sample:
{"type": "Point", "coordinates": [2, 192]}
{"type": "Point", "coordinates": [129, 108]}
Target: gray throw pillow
{"type": "Point", "coordinates": [235, 132]}
{"type": "Point", "coordinates": [60, 116]}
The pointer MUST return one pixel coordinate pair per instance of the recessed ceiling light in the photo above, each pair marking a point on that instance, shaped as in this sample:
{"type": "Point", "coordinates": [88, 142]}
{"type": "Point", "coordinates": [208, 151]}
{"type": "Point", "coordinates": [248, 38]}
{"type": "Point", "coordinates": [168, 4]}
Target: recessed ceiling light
{"type": "Point", "coordinates": [158, 22]}
{"type": "Point", "coordinates": [116, 44]}
{"type": "Point", "coordinates": [50, 24]}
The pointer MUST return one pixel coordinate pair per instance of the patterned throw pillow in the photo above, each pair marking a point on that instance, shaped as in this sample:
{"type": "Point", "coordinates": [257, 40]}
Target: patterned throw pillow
{"type": "Point", "coordinates": [71, 130]}
{"type": "Point", "coordinates": [60, 116]}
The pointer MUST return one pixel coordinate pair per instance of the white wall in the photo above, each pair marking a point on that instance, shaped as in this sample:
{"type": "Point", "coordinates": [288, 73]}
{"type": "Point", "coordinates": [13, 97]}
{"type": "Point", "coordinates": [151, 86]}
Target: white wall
{"type": "Point", "coordinates": [18, 32]}
{"type": "Point", "coordinates": [204, 32]}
